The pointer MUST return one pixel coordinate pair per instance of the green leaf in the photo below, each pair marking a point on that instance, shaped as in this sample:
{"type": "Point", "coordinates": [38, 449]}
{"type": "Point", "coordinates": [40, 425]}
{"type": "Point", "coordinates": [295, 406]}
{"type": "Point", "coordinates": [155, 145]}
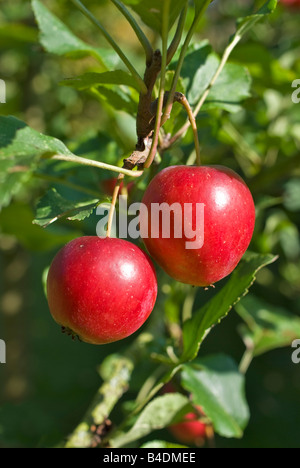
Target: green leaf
{"type": "Point", "coordinates": [199, 4]}
{"type": "Point", "coordinates": [232, 86]}
{"type": "Point", "coordinates": [161, 444]}
{"type": "Point", "coordinates": [218, 307]}
{"type": "Point", "coordinates": [246, 23]}
{"type": "Point", "coordinates": [90, 80]}
{"type": "Point", "coordinates": [150, 11]}
{"type": "Point", "coordinates": [199, 66]}
{"type": "Point", "coordinates": [216, 385]}
{"type": "Point", "coordinates": [180, 88]}
{"type": "Point", "coordinates": [17, 35]}
{"type": "Point", "coordinates": [233, 83]}
{"type": "Point", "coordinates": [159, 413]}
{"type": "Point", "coordinates": [17, 140]}
{"type": "Point", "coordinates": [9, 127]}
{"type": "Point", "coordinates": [20, 149]}
{"type": "Point", "coordinates": [57, 38]}
{"type": "Point", "coordinates": [16, 220]}
{"type": "Point", "coordinates": [268, 327]}
{"type": "Point", "coordinates": [53, 206]}
{"type": "Point", "coordinates": [118, 99]}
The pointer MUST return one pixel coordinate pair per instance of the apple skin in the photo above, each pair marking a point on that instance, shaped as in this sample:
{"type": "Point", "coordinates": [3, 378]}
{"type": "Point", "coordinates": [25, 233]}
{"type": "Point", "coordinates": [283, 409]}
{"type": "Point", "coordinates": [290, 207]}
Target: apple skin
{"type": "Point", "coordinates": [190, 431]}
{"type": "Point", "coordinates": [101, 289]}
{"type": "Point", "coordinates": [229, 220]}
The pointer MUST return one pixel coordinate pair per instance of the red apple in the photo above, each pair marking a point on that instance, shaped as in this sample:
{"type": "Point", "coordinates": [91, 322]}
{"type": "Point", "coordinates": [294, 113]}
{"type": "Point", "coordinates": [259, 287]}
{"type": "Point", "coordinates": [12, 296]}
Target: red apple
{"type": "Point", "coordinates": [190, 431]}
{"type": "Point", "coordinates": [101, 289]}
{"type": "Point", "coordinates": [226, 229]}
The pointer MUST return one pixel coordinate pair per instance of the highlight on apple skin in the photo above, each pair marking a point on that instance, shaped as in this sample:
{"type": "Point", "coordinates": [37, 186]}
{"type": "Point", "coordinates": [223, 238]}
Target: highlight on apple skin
{"type": "Point", "coordinates": [101, 289]}
{"type": "Point", "coordinates": [229, 220]}
{"type": "Point", "coordinates": [190, 431]}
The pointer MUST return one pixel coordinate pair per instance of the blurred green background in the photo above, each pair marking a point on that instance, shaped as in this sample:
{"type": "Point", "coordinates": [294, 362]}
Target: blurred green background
{"type": "Point", "coordinates": [48, 380]}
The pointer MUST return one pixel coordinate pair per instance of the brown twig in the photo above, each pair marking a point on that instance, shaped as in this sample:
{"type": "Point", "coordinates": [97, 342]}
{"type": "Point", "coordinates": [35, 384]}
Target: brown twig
{"type": "Point", "coordinates": [138, 157]}
{"type": "Point", "coordinates": [143, 147]}
{"type": "Point", "coordinates": [145, 118]}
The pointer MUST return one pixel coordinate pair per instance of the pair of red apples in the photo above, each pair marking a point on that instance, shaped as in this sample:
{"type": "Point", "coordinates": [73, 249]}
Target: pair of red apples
{"type": "Point", "coordinates": [103, 289]}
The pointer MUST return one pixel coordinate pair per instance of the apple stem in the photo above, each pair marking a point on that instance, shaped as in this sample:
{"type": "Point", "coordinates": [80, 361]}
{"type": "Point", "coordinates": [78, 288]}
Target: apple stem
{"type": "Point", "coordinates": [193, 123]}
{"type": "Point", "coordinates": [246, 361]}
{"type": "Point", "coordinates": [89, 162]}
{"type": "Point", "coordinates": [198, 16]}
{"type": "Point", "coordinates": [149, 384]}
{"type": "Point", "coordinates": [113, 204]}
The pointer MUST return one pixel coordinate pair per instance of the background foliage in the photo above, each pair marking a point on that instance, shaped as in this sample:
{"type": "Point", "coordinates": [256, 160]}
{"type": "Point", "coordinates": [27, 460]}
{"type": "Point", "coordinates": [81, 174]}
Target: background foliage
{"type": "Point", "coordinates": [48, 380]}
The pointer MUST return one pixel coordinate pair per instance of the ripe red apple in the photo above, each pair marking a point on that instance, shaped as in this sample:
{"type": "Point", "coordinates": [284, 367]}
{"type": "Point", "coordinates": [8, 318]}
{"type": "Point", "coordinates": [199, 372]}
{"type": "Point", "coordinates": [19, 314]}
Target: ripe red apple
{"type": "Point", "coordinates": [101, 289]}
{"type": "Point", "coordinates": [190, 431]}
{"type": "Point", "coordinates": [227, 227]}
